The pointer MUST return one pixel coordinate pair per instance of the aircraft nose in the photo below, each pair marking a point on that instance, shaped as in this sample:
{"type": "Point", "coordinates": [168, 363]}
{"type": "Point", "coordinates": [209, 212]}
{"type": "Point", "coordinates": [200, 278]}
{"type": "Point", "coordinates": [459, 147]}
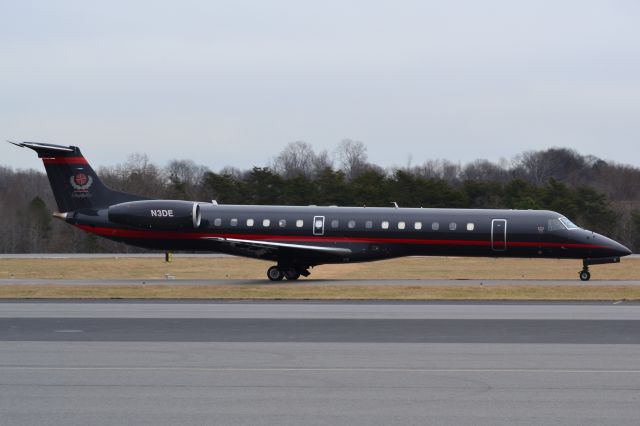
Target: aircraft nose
{"type": "Point", "coordinates": [624, 250]}
{"type": "Point", "coordinates": [618, 249]}
{"type": "Point", "coordinates": [609, 247]}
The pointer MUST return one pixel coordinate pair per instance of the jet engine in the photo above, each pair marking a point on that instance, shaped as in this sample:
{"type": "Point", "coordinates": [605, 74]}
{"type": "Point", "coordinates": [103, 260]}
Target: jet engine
{"type": "Point", "coordinates": [163, 215]}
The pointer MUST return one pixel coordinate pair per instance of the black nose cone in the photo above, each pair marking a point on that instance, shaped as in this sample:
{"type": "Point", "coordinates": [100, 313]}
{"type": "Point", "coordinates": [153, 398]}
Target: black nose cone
{"type": "Point", "coordinates": [618, 249]}
{"type": "Point", "coordinates": [606, 247]}
{"type": "Point", "coordinates": [625, 251]}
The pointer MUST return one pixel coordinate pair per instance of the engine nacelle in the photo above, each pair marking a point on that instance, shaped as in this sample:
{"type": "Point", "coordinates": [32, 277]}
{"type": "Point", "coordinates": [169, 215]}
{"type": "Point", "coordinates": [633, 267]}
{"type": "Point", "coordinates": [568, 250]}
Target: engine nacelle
{"type": "Point", "coordinates": [164, 215]}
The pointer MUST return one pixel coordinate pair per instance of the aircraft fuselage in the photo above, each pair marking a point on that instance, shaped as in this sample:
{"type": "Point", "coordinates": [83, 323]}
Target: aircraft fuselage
{"type": "Point", "coordinates": [371, 233]}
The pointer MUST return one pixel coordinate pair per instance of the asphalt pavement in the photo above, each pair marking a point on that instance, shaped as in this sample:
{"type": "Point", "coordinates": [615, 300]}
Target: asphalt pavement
{"type": "Point", "coordinates": [294, 363]}
{"type": "Point", "coordinates": [311, 281]}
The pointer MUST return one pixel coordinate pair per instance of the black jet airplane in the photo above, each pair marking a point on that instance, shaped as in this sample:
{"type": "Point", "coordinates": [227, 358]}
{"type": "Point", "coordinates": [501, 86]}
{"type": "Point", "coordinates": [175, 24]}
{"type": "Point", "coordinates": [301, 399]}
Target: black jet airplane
{"type": "Point", "coordinates": [298, 238]}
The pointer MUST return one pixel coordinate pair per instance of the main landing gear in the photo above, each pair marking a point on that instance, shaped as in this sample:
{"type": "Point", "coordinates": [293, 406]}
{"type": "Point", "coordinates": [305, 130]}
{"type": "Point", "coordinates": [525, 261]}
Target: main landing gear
{"type": "Point", "coordinates": [291, 273]}
{"type": "Point", "coordinates": [585, 275]}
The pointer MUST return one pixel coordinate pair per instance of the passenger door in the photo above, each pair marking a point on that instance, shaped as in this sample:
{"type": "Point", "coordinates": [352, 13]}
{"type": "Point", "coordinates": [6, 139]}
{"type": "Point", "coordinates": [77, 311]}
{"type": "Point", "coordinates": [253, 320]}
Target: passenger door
{"type": "Point", "coordinates": [499, 234]}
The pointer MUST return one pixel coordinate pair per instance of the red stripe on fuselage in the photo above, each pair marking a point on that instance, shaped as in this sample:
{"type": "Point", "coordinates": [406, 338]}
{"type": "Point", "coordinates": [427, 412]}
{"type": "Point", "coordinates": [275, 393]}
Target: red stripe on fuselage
{"type": "Point", "coordinates": [65, 160]}
{"type": "Point", "coordinates": [156, 235]}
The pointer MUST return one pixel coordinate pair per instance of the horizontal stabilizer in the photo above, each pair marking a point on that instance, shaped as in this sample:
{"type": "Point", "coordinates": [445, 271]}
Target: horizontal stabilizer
{"type": "Point", "coordinates": [40, 147]}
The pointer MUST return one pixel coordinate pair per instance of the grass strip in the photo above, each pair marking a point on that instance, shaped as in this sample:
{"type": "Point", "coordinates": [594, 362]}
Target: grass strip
{"type": "Point", "coordinates": [240, 268]}
{"type": "Point", "coordinates": [324, 292]}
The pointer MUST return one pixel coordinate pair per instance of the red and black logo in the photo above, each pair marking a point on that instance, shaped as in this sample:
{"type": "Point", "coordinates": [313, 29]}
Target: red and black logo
{"type": "Point", "coordinates": [81, 182]}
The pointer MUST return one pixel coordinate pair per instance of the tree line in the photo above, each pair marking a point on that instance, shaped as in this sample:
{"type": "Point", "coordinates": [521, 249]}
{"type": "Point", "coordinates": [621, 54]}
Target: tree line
{"type": "Point", "coordinates": [594, 193]}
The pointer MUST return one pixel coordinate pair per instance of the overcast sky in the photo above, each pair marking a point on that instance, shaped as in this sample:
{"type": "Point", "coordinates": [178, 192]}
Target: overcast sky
{"type": "Point", "coordinates": [231, 82]}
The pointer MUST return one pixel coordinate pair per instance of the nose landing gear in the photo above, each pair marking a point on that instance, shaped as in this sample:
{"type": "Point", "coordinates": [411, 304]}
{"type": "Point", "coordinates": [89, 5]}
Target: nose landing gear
{"type": "Point", "coordinates": [585, 275]}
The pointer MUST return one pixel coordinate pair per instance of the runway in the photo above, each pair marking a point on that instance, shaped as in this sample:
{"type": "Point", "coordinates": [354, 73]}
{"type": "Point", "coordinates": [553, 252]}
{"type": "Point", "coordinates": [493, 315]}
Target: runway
{"type": "Point", "coordinates": [312, 281]}
{"type": "Point", "coordinates": [293, 363]}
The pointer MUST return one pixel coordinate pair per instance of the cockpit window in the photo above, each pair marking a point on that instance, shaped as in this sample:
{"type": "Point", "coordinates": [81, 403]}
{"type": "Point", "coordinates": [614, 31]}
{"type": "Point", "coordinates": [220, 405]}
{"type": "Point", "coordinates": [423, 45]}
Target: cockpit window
{"type": "Point", "coordinates": [555, 225]}
{"type": "Point", "coordinates": [568, 224]}
{"type": "Point", "coordinates": [560, 224]}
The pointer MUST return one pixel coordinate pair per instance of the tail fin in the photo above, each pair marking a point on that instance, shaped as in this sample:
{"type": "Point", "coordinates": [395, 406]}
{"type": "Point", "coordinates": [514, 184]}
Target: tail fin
{"type": "Point", "coordinates": [74, 183]}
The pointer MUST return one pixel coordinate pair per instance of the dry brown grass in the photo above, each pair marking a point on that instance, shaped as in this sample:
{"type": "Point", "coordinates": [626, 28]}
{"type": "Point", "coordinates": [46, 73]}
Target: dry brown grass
{"type": "Point", "coordinates": [324, 292]}
{"type": "Point", "coordinates": [397, 269]}
{"type": "Point", "coordinates": [240, 268]}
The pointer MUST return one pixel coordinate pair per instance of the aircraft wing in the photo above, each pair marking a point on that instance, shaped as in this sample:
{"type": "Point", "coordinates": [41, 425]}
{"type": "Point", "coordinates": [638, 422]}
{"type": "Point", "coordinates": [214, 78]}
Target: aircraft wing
{"type": "Point", "coordinates": [260, 244]}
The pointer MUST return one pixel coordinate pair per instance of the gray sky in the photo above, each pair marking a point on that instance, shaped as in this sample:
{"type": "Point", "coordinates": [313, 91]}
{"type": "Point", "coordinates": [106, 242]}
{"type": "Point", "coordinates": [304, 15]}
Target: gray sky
{"type": "Point", "coordinates": [231, 82]}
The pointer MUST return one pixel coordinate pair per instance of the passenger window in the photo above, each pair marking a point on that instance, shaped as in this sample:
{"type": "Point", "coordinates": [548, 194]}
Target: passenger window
{"type": "Point", "coordinates": [217, 221]}
{"type": "Point", "coordinates": [335, 223]}
{"type": "Point", "coordinates": [452, 226]}
{"type": "Point", "coordinates": [250, 222]}
{"type": "Point", "coordinates": [351, 224]}
{"type": "Point", "coordinates": [266, 223]}
{"type": "Point", "coordinates": [299, 223]}
{"type": "Point", "coordinates": [282, 223]}
{"type": "Point", "coordinates": [435, 226]}
{"type": "Point", "coordinates": [384, 224]}
{"type": "Point", "coordinates": [401, 225]}
{"type": "Point", "coordinates": [233, 222]}
{"type": "Point", "coordinates": [417, 225]}
{"type": "Point", "coordinates": [471, 226]}
{"type": "Point", "coordinates": [368, 224]}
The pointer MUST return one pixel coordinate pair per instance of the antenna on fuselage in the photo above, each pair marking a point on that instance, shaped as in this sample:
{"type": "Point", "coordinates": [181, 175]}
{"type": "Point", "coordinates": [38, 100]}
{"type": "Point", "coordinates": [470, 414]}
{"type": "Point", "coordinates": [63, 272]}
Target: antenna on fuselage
{"type": "Point", "coordinates": [395, 204]}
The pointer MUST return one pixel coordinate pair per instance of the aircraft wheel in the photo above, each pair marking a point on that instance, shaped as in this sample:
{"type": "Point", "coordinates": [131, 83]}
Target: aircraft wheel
{"type": "Point", "coordinates": [291, 274]}
{"type": "Point", "coordinates": [585, 275]}
{"type": "Point", "coordinates": [275, 274]}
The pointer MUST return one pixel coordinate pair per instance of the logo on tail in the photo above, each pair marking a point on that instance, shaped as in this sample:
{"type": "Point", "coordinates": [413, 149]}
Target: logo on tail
{"type": "Point", "coordinates": [81, 184]}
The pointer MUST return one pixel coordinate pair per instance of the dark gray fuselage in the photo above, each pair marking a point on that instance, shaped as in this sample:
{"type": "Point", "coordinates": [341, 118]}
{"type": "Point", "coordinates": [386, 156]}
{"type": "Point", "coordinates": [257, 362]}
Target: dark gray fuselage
{"type": "Point", "coordinates": [371, 233]}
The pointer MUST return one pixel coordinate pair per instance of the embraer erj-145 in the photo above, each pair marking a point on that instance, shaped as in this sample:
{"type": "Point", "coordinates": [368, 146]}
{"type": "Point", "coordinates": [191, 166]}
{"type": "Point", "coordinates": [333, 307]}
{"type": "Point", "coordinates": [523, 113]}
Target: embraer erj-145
{"type": "Point", "coordinates": [298, 238]}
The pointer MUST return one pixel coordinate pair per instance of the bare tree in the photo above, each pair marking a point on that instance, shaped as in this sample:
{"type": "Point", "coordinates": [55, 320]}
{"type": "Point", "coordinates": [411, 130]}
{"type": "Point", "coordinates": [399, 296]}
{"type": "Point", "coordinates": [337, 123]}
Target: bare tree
{"type": "Point", "coordinates": [438, 169]}
{"type": "Point", "coordinates": [184, 178]}
{"type": "Point", "coordinates": [296, 159]}
{"type": "Point", "coordinates": [561, 164]}
{"type": "Point", "coordinates": [484, 171]}
{"type": "Point", "coordinates": [137, 175]}
{"type": "Point", "coordinates": [352, 157]}
{"type": "Point", "coordinates": [321, 162]}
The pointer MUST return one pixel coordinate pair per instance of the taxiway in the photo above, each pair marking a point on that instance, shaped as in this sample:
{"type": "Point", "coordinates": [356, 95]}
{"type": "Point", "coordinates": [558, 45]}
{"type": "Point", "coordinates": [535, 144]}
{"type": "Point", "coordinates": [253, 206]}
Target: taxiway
{"type": "Point", "coordinates": [311, 281]}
